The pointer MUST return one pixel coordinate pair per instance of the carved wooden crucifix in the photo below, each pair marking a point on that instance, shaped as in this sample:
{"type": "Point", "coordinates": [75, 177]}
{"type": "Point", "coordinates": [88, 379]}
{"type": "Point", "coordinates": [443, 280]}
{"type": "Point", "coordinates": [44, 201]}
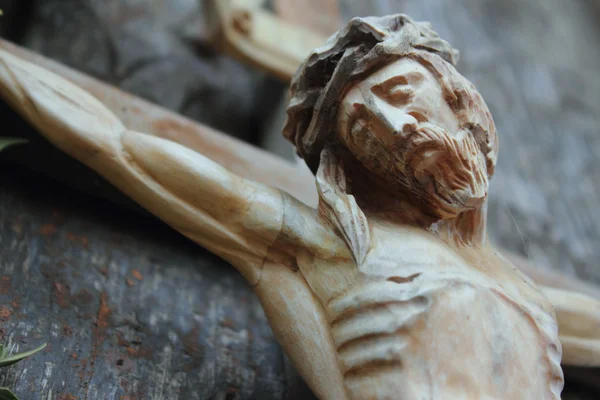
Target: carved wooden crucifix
{"type": "Point", "coordinates": [389, 288]}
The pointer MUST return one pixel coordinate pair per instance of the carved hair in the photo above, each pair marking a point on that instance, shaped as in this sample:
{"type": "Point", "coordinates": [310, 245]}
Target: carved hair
{"type": "Point", "coordinates": [358, 50]}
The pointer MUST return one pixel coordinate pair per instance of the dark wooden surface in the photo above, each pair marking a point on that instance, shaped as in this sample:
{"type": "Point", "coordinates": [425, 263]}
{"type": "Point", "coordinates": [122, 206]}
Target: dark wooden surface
{"type": "Point", "coordinates": [129, 308]}
{"type": "Point", "coordinates": [190, 328]}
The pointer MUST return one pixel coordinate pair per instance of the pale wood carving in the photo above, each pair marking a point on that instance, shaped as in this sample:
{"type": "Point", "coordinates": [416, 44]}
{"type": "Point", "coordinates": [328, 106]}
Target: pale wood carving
{"type": "Point", "coordinates": [244, 160]}
{"type": "Point", "coordinates": [389, 288]}
{"type": "Point", "coordinates": [245, 30]}
{"type": "Point", "coordinates": [318, 16]}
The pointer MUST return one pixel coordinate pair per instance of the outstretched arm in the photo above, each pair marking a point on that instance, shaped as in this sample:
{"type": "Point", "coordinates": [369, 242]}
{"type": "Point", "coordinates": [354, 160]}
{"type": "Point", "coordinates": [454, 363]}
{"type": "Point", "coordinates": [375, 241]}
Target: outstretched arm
{"type": "Point", "coordinates": [254, 227]}
{"type": "Point", "coordinates": [578, 317]}
{"type": "Point", "coordinates": [237, 219]}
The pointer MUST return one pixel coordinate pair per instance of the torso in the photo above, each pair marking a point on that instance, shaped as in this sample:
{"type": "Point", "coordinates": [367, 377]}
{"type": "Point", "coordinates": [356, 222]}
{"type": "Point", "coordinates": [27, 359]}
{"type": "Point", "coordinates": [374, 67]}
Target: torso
{"type": "Point", "coordinates": [419, 319]}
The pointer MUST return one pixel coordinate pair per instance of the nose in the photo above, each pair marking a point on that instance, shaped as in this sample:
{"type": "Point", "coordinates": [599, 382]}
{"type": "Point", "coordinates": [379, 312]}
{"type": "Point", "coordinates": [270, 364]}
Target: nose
{"type": "Point", "coordinates": [405, 124]}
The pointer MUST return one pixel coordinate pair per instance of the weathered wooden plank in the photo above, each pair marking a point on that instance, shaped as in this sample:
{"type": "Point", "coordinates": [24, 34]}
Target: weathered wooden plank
{"type": "Point", "coordinates": [130, 309]}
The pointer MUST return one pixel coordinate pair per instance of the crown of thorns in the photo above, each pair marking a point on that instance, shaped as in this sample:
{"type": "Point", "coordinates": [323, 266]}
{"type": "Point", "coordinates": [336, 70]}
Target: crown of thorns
{"type": "Point", "coordinates": [357, 50]}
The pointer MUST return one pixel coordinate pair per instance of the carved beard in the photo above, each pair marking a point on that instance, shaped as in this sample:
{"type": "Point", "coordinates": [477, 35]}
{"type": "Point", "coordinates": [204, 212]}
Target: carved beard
{"type": "Point", "coordinates": [451, 169]}
{"type": "Point", "coordinates": [446, 173]}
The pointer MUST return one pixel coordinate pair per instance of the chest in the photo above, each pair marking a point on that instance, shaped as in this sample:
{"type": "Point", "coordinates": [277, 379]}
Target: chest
{"type": "Point", "coordinates": [394, 256]}
{"type": "Point", "coordinates": [398, 256]}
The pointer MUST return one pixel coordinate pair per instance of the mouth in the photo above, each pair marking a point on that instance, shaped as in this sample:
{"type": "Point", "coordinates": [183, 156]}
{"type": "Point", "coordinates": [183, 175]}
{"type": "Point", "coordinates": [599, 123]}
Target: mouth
{"type": "Point", "coordinates": [421, 118]}
{"type": "Point", "coordinates": [442, 201]}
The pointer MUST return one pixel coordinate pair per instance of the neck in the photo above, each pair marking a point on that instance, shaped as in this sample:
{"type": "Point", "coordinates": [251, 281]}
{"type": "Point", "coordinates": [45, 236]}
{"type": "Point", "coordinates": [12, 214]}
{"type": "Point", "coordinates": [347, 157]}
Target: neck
{"type": "Point", "coordinates": [467, 229]}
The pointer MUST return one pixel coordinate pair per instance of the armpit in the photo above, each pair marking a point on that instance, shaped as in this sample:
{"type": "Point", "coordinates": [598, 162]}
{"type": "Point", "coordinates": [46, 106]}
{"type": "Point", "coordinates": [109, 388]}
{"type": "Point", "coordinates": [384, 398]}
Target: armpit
{"type": "Point", "coordinates": [303, 229]}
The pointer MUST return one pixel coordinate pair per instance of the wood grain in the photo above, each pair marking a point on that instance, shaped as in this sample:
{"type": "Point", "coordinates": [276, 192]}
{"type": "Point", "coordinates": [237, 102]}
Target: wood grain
{"type": "Point", "coordinates": [550, 197]}
{"type": "Point", "coordinates": [130, 310]}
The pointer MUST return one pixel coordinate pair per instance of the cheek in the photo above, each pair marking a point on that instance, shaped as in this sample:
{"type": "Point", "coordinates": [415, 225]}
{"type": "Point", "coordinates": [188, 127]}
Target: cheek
{"type": "Point", "coordinates": [370, 151]}
{"type": "Point", "coordinates": [435, 109]}
{"type": "Point", "coordinates": [449, 119]}
{"type": "Point", "coordinates": [346, 115]}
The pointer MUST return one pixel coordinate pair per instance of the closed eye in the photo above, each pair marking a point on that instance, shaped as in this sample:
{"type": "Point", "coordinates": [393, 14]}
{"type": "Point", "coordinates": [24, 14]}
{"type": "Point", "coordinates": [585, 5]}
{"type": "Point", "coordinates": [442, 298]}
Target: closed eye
{"type": "Point", "coordinates": [395, 95]}
{"type": "Point", "coordinates": [398, 90]}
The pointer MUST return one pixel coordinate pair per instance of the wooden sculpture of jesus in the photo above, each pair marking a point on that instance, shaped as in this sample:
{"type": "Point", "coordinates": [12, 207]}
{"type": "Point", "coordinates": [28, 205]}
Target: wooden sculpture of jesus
{"type": "Point", "coordinates": [389, 290]}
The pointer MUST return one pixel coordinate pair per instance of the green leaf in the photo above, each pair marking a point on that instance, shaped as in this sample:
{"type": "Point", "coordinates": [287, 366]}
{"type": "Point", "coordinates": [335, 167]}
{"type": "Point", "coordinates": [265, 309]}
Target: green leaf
{"type": "Point", "coordinates": [7, 394]}
{"type": "Point", "coordinates": [3, 352]}
{"type": "Point", "coordinates": [6, 142]}
{"type": "Point", "coordinates": [18, 357]}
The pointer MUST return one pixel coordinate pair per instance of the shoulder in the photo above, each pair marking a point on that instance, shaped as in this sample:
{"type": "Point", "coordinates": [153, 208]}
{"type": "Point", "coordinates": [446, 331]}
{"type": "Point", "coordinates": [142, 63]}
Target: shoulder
{"type": "Point", "coordinates": [304, 230]}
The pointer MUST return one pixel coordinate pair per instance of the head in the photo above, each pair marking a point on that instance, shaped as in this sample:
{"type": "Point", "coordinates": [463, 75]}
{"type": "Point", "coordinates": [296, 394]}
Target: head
{"type": "Point", "coordinates": [386, 91]}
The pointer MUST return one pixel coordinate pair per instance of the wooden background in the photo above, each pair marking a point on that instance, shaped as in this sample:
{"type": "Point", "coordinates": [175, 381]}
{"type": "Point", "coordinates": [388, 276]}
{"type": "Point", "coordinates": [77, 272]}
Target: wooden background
{"type": "Point", "coordinates": [131, 310]}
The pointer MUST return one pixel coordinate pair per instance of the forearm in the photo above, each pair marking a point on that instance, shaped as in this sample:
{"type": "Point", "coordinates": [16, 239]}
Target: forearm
{"type": "Point", "coordinates": [58, 109]}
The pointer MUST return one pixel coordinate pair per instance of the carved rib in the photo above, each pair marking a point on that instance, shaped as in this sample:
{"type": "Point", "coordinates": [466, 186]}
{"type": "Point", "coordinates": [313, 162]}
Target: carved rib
{"type": "Point", "coordinates": [374, 367]}
{"type": "Point", "coordinates": [370, 308]}
{"type": "Point", "coordinates": [360, 343]}
{"type": "Point", "coordinates": [372, 293]}
{"type": "Point", "coordinates": [372, 319]}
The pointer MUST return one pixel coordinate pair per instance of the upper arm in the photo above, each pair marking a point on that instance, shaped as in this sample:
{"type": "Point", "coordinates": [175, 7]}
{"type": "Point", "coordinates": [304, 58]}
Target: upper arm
{"type": "Point", "coordinates": [235, 218]}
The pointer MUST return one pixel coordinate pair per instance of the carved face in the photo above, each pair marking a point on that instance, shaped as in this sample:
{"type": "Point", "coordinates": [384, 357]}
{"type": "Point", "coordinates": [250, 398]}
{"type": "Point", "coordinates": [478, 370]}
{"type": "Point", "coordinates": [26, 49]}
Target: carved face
{"type": "Point", "coordinates": [398, 125]}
